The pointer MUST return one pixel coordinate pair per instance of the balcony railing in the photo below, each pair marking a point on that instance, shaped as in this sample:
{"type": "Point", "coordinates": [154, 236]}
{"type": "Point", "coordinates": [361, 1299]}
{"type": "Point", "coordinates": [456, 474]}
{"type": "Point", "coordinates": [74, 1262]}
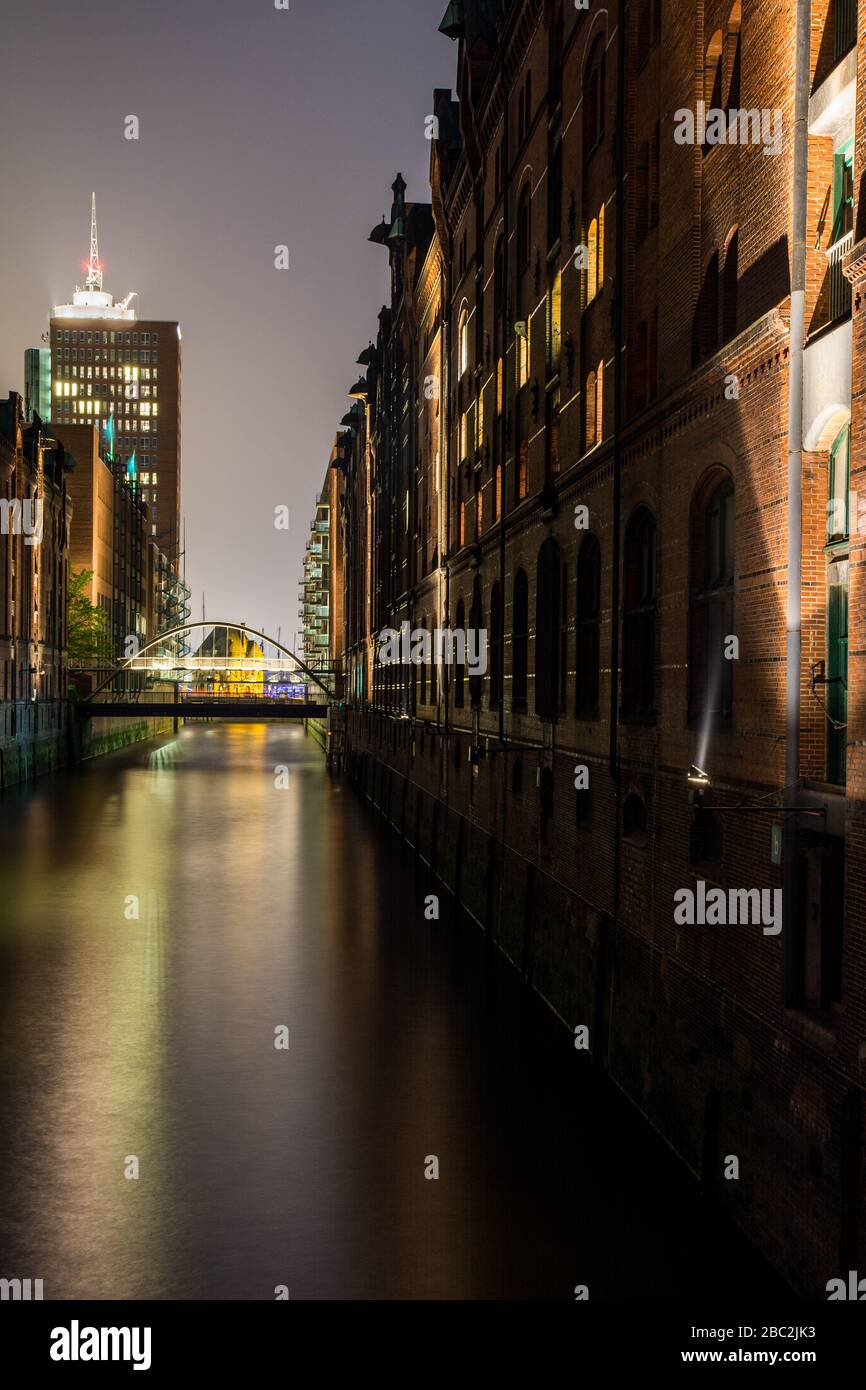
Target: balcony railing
{"type": "Point", "coordinates": [839, 287]}
{"type": "Point", "coordinates": [846, 26]}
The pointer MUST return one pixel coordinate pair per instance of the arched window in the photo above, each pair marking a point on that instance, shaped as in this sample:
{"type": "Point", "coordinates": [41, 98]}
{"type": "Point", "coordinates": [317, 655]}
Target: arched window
{"type": "Point", "coordinates": [705, 839]}
{"type": "Point", "coordinates": [520, 641]}
{"type": "Point", "coordinates": [496, 646]}
{"type": "Point", "coordinates": [460, 656]}
{"type": "Point", "coordinates": [599, 403]}
{"type": "Point", "coordinates": [639, 626]}
{"type": "Point", "coordinates": [730, 283]}
{"type": "Point", "coordinates": [547, 630]}
{"type": "Point", "coordinates": [592, 266]}
{"type": "Point", "coordinates": [838, 510]}
{"type": "Point", "coordinates": [634, 820]}
{"type": "Point", "coordinates": [522, 470]}
{"type": "Point", "coordinates": [706, 322]}
{"type": "Point", "coordinates": [476, 623]}
{"type": "Point", "coordinates": [588, 625]}
{"type": "Point", "coordinates": [589, 412]}
{"type": "Point", "coordinates": [524, 228]}
{"type": "Point", "coordinates": [594, 97]}
{"type": "Point", "coordinates": [593, 280]}
{"type": "Point", "coordinates": [732, 55]}
{"type": "Point", "coordinates": [521, 353]}
{"type": "Point", "coordinates": [711, 602]}
{"type": "Point", "coordinates": [713, 75]}
{"type": "Point", "coordinates": [463, 365]}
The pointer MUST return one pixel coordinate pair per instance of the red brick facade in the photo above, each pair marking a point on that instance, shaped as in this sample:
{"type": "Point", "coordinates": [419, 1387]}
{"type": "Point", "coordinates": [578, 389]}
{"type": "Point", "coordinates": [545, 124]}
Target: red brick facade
{"type": "Point", "coordinates": [593, 315]}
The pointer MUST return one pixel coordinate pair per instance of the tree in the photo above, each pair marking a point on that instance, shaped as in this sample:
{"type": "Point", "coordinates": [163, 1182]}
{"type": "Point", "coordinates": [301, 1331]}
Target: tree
{"type": "Point", "coordinates": [88, 641]}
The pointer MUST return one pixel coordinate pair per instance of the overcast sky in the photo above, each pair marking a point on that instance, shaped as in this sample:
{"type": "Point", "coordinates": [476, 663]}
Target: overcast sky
{"type": "Point", "coordinates": [258, 128]}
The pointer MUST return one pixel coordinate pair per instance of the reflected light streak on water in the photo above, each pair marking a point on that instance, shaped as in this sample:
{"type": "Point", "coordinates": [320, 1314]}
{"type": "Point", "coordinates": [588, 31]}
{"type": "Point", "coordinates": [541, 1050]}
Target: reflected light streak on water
{"type": "Point", "coordinates": [154, 1037]}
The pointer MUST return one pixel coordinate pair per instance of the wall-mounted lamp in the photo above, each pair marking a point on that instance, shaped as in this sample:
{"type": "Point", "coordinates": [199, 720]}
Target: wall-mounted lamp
{"type": "Point", "coordinates": [699, 784]}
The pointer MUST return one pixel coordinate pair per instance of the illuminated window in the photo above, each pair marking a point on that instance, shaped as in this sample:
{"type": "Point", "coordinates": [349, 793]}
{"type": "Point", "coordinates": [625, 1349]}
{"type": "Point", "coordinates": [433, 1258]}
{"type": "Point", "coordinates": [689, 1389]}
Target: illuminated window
{"type": "Point", "coordinates": [592, 267]}
{"type": "Point", "coordinates": [599, 403]}
{"type": "Point", "coordinates": [594, 273]}
{"type": "Point", "coordinates": [464, 344]}
{"type": "Point", "coordinates": [589, 412]}
{"type": "Point", "coordinates": [554, 323]}
{"type": "Point", "coordinates": [523, 471]}
{"type": "Point", "coordinates": [522, 357]}
{"type": "Point", "coordinates": [499, 386]}
{"type": "Point", "coordinates": [464, 435]}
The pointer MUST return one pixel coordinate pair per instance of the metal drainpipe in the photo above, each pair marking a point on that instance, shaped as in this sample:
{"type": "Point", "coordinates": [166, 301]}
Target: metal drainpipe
{"type": "Point", "coordinates": [795, 480]}
{"type": "Point", "coordinates": [613, 757]}
{"type": "Point", "coordinates": [504, 162]}
{"type": "Point", "coordinates": [445, 453]}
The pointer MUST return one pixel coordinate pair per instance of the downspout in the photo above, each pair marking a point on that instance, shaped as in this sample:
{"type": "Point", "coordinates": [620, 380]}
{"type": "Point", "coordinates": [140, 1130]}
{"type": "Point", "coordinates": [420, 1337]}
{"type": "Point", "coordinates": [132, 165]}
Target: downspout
{"type": "Point", "coordinates": [619, 155]}
{"type": "Point", "coordinates": [505, 171]}
{"type": "Point", "coordinates": [795, 487]}
{"type": "Point", "coordinates": [609, 954]}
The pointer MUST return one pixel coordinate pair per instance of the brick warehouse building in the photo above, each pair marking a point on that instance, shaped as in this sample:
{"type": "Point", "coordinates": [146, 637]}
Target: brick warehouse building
{"type": "Point", "coordinates": [615, 368]}
{"type": "Point", "coordinates": [35, 524]}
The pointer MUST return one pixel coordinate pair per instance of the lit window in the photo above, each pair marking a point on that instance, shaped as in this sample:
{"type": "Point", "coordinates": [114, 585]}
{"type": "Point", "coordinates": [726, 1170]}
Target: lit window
{"type": "Point", "coordinates": [522, 347]}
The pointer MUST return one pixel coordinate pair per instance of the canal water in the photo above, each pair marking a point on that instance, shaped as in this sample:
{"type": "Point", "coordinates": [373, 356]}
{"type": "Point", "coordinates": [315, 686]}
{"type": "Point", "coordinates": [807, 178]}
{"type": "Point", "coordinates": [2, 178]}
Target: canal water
{"type": "Point", "coordinates": [163, 913]}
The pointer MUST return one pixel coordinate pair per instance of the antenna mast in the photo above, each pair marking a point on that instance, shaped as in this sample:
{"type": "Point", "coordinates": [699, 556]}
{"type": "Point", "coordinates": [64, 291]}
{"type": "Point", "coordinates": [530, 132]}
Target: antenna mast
{"type": "Point", "coordinates": [94, 269]}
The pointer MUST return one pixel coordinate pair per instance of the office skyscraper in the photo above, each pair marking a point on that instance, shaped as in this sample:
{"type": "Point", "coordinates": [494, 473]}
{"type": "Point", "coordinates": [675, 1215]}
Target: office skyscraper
{"type": "Point", "coordinates": [117, 371]}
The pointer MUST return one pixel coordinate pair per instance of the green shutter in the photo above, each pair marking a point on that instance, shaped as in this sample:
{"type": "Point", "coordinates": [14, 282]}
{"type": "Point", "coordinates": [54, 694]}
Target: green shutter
{"type": "Point", "coordinates": [838, 520]}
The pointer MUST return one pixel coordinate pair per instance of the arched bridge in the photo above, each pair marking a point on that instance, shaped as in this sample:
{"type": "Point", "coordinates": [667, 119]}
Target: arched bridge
{"type": "Point", "coordinates": [234, 672]}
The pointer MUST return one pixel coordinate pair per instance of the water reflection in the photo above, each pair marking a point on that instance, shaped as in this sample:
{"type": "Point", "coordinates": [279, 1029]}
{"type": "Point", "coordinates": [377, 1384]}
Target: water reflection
{"type": "Point", "coordinates": [163, 912]}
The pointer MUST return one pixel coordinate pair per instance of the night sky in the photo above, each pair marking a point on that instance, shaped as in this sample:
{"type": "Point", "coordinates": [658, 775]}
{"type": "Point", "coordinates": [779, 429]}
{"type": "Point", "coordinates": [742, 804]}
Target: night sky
{"type": "Point", "coordinates": [258, 128]}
